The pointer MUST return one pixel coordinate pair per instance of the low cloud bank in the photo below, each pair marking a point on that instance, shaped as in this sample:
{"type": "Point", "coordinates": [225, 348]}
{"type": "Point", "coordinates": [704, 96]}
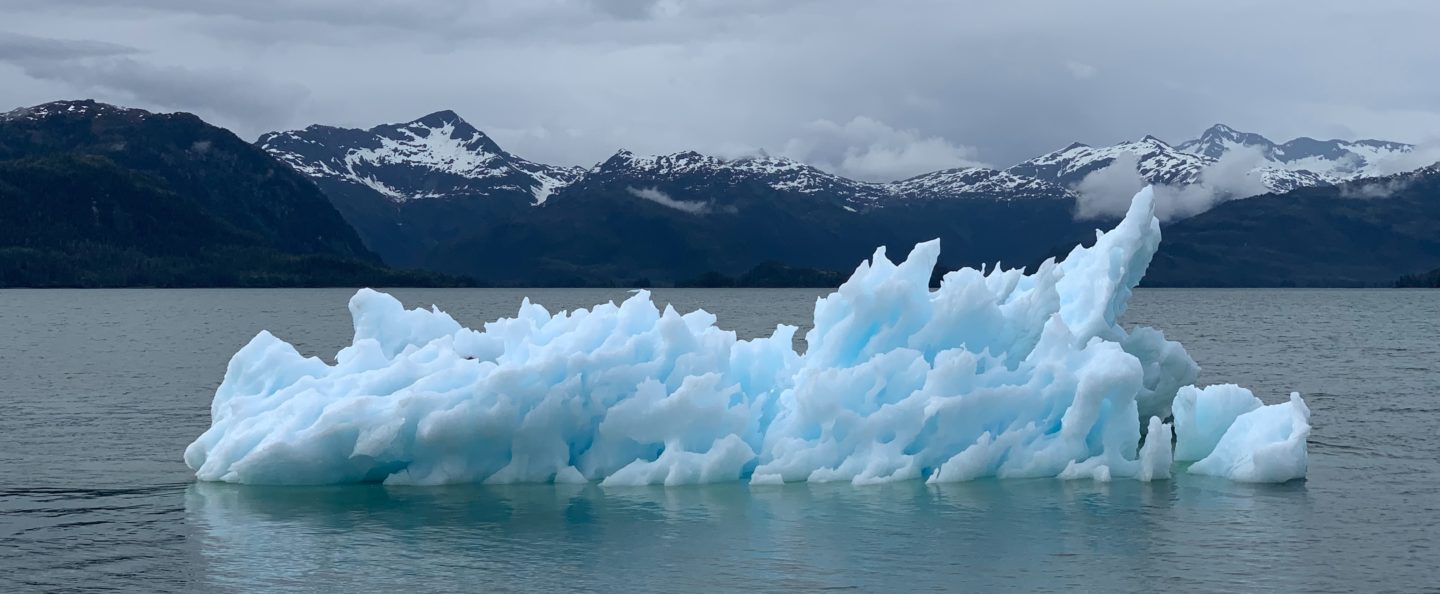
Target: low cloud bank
{"type": "Point", "coordinates": [1105, 193]}
{"type": "Point", "coordinates": [663, 199]}
{"type": "Point", "coordinates": [871, 150]}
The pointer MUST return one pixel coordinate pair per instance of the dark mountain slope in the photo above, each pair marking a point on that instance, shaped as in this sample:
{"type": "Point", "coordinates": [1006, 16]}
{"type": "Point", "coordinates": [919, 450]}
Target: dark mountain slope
{"type": "Point", "coordinates": [605, 230]}
{"type": "Point", "coordinates": [208, 165]}
{"type": "Point", "coordinates": [1365, 233]}
{"type": "Point", "coordinates": [95, 195]}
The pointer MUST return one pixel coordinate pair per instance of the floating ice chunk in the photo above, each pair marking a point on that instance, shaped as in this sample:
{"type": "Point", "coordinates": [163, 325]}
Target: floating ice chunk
{"type": "Point", "coordinates": [1203, 415]}
{"type": "Point", "coordinates": [1265, 445]}
{"type": "Point", "coordinates": [996, 373]}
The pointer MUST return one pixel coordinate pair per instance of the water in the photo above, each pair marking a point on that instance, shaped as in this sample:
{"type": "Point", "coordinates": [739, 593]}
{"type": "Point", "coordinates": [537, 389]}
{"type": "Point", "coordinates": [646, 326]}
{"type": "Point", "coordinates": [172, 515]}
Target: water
{"type": "Point", "coordinates": [104, 389]}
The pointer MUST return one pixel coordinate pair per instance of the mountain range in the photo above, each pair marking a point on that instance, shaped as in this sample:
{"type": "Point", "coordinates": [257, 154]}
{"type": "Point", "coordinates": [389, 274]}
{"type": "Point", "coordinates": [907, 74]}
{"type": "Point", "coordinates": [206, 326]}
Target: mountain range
{"type": "Point", "coordinates": [438, 194]}
{"type": "Point", "coordinates": [443, 156]}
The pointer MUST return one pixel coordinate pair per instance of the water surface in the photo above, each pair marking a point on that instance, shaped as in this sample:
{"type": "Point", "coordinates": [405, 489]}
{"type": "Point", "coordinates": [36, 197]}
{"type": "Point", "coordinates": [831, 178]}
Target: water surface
{"type": "Point", "coordinates": [104, 389]}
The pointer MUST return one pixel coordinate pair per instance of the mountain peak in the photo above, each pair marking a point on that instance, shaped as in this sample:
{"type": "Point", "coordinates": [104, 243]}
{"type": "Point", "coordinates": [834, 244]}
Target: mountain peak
{"type": "Point", "coordinates": [1219, 139]}
{"type": "Point", "coordinates": [81, 107]}
{"type": "Point", "coordinates": [438, 155]}
{"type": "Point", "coordinates": [1220, 129]}
{"type": "Point", "coordinates": [439, 118]}
{"type": "Point", "coordinates": [1223, 133]}
{"type": "Point", "coordinates": [620, 156]}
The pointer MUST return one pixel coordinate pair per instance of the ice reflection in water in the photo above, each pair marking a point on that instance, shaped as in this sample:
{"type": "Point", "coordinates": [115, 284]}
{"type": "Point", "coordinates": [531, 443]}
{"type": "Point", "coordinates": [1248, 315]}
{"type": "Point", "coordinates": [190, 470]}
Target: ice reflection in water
{"type": "Point", "coordinates": [1030, 534]}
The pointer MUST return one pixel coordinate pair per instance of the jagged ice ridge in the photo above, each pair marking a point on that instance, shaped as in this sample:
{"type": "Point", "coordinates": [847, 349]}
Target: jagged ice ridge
{"type": "Point", "coordinates": [995, 374]}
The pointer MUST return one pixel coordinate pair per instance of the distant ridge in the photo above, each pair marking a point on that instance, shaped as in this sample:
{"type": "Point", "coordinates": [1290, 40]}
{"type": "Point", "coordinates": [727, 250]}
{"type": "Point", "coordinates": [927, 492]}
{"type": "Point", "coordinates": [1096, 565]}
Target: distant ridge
{"type": "Point", "coordinates": [99, 195]}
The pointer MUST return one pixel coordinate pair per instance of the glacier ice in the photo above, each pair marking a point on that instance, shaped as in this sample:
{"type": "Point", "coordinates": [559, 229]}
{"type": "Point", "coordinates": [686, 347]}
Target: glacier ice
{"type": "Point", "coordinates": [995, 374]}
{"type": "Point", "coordinates": [1264, 445]}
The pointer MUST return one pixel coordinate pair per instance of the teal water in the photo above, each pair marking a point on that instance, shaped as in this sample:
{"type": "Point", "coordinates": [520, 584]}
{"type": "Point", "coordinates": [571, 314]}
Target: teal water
{"type": "Point", "coordinates": [103, 390]}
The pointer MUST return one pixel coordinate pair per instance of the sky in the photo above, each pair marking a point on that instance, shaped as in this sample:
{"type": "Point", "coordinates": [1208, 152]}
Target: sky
{"type": "Point", "coordinates": [872, 90]}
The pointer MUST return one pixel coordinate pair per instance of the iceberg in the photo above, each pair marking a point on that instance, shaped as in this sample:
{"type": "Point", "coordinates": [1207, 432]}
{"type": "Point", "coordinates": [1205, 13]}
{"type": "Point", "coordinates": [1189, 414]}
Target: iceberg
{"type": "Point", "coordinates": [994, 374]}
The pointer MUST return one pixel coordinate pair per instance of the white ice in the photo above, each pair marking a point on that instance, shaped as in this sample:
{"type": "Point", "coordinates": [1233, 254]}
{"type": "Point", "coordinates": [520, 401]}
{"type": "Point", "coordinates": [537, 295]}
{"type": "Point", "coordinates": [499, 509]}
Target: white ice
{"type": "Point", "coordinates": [1203, 416]}
{"type": "Point", "coordinates": [1265, 445]}
{"type": "Point", "coordinates": [995, 374]}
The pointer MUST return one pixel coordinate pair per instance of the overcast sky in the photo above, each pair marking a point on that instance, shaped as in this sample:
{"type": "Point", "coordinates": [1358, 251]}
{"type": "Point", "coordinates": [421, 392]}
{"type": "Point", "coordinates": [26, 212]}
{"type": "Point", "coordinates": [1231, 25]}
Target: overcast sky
{"type": "Point", "coordinates": [872, 89]}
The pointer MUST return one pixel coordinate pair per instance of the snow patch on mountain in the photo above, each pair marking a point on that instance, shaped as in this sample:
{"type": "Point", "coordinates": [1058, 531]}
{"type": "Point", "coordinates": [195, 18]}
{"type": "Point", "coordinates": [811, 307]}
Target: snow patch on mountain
{"type": "Point", "coordinates": [439, 149]}
{"type": "Point", "coordinates": [976, 181]}
{"type": "Point", "coordinates": [83, 107]}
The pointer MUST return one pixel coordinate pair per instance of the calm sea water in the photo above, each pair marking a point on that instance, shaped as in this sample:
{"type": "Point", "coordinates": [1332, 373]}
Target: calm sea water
{"type": "Point", "coordinates": [102, 391]}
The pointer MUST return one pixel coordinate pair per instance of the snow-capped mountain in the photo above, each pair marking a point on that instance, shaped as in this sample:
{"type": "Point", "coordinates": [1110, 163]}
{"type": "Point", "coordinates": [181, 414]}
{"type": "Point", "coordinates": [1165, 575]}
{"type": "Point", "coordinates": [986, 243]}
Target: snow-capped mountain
{"type": "Point", "coordinates": [84, 108]}
{"type": "Point", "coordinates": [705, 173]}
{"type": "Point", "coordinates": [437, 156]}
{"type": "Point", "coordinates": [442, 156]}
{"type": "Point", "coordinates": [1332, 160]}
{"type": "Point", "coordinates": [713, 178]}
{"type": "Point", "coordinates": [1160, 163]}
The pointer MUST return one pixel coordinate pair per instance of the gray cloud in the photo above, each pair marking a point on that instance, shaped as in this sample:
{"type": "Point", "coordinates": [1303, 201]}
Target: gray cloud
{"type": "Point", "coordinates": [1010, 79]}
{"type": "Point", "coordinates": [867, 149]}
{"type": "Point", "coordinates": [225, 96]}
{"type": "Point", "coordinates": [1377, 188]}
{"type": "Point", "coordinates": [16, 47]}
{"type": "Point", "coordinates": [627, 9]}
